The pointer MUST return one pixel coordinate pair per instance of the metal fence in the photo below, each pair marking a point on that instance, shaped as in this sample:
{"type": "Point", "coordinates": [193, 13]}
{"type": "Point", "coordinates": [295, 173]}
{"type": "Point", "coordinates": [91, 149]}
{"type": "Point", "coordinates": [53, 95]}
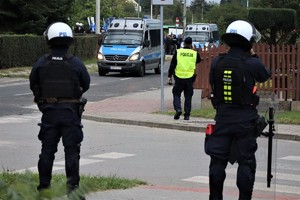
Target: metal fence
{"type": "Point", "coordinates": [283, 60]}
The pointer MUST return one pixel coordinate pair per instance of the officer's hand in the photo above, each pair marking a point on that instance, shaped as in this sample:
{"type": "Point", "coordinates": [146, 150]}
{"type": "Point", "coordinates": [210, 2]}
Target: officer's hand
{"type": "Point", "coordinates": [194, 47]}
{"type": "Point", "coordinates": [170, 80]}
{"type": "Point", "coordinates": [252, 52]}
{"type": "Point", "coordinates": [194, 77]}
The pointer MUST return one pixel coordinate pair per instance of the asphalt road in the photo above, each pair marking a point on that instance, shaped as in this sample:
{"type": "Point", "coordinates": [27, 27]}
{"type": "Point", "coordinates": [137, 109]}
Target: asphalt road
{"type": "Point", "coordinates": [15, 95]}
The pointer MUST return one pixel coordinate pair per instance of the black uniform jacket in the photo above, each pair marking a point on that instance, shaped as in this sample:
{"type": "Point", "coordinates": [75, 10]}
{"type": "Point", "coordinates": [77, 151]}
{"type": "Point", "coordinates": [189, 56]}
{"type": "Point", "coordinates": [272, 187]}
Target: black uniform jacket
{"type": "Point", "coordinates": [78, 66]}
{"type": "Point", "coordinates": [255, 71]}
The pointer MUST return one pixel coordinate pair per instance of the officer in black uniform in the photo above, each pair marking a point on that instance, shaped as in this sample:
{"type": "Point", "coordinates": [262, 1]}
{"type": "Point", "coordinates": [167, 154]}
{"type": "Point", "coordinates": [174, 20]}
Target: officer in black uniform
{"type": "Point", "coordinates": [183, 69]}
{"type": "Point", "coordinates": [58, 81]}
{"type": "Point", "coordinates": [232, 78]}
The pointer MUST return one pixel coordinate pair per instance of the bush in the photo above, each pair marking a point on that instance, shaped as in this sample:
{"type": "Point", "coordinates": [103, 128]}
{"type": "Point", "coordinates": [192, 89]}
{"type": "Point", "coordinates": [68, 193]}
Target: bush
{"type": "Point", "coordinates": [24, 50]}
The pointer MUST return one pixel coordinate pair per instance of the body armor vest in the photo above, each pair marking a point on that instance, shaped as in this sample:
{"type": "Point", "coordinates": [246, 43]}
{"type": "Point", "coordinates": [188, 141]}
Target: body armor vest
{"type": "Point", "coordinates": [229, 83]}
{"type": "Point", "coordinates": [57, 79]}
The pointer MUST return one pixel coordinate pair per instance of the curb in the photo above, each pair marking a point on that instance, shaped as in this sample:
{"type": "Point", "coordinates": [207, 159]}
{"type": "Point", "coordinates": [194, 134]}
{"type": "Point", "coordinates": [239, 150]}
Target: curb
{"type": "Point", "coordinates": [145, 123]}
{"type": "Point", "coordinates": [181, 127]}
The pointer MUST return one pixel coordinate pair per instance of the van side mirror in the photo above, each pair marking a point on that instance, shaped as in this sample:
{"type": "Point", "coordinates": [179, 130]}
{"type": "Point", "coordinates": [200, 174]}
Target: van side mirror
{"type": "Point", "coordinates": [146, 43]}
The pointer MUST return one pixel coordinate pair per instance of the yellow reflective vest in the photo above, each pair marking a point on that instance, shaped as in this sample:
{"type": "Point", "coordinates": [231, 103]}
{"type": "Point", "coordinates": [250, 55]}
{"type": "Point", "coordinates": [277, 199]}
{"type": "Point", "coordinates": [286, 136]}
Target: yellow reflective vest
{"type": "Point", "coordinates": [186, 63]}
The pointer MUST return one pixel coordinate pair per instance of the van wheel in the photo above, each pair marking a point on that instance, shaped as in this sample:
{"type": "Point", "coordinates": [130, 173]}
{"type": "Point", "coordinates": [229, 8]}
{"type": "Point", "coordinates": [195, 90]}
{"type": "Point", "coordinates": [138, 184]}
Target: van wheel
{"type": "Point", "coordinates": [102, 73]}
{"type": "Point", "coordinates": [158, 69]}
{"type": "Point", "coordinates": [141, 72]}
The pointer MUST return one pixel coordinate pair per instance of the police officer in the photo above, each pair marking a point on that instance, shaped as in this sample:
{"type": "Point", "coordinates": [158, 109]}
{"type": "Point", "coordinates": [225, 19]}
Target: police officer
{"type": "Point", "coordinates": [232, 79]}
{"type": "Point", "coordinates": [58, 81]}
{"type": "Point", "coordinates": [183, 68]}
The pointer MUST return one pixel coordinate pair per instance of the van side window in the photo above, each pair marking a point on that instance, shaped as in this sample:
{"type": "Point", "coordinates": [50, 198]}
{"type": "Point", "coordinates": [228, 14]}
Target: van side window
{"type": "Point", "coordinates": [155, 38]}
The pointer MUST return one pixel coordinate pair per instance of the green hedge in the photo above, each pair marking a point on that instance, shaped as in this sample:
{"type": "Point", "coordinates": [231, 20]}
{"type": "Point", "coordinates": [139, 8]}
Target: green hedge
{"type": "Point", "coordinates": [24, 50]}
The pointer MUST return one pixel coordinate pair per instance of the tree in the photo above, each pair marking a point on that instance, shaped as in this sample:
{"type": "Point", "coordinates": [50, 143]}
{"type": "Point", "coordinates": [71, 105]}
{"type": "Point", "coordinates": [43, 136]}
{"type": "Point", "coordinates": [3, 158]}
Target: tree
{"type": "Point", "coordinates": [199, 8]}
{"type": "Point", "coordinates": [81, 9]}
{"type": "Point", "coordinates": [31, 16]}
{"type": "Point", "coordinates": [280, 26]}
{"type": "Point", "coordinates": [224, 14]}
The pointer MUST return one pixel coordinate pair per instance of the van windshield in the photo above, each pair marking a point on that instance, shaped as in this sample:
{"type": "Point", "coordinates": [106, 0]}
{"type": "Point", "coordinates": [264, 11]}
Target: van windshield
{"type": "Point", "coordinates": [124, 37]}
{"type": "Point", "coordinates": [199, 36]}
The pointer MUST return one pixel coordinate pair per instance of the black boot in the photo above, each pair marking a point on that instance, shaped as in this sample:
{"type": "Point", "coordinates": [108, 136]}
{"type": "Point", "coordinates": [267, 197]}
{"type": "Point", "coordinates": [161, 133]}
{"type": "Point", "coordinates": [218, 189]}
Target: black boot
{"type": "Point", "coordinates": [75, 193]}
{"type": "Point", "coordinates": [177, 114]}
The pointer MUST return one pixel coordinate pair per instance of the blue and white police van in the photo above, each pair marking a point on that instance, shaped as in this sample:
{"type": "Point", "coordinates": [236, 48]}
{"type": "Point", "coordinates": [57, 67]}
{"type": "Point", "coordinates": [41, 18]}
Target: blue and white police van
{"type": "Point", "coordinates": [204, 35]}
{"type": "Point", "coordinates": [131, 45]}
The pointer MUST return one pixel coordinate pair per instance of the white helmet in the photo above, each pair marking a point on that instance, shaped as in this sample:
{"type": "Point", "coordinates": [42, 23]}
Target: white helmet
{"type": "Point", "coordinates": [58, 30]}
{"type": "Point", "coordinates": [241, 33]}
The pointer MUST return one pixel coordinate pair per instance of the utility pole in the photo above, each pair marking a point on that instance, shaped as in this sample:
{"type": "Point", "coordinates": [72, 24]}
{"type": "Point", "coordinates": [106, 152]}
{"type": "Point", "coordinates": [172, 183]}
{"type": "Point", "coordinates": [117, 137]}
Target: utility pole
{"type": "Point", "coordinates": [184, 15]}
{"type": "Point", "coordinates": [139, 2]}
{"type": "Point", "coordinates": [97, 16]}
{"type": "Point", "coordinates": [202, 9]}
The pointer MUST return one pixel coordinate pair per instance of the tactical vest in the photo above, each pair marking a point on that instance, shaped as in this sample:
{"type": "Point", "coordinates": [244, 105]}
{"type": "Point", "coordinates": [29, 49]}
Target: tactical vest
{"type": "Point", "coordinates": [186, 63]}
{"type": "Point", "coordinates": [57, 79]}
{"type": "Point", "coordinates": [229, 83]}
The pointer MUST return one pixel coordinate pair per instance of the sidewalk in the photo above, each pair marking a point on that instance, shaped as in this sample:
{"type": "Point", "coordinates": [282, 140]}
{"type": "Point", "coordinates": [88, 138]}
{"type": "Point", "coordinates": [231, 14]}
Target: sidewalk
{"type": "Point", "coordinates": [141, 109]}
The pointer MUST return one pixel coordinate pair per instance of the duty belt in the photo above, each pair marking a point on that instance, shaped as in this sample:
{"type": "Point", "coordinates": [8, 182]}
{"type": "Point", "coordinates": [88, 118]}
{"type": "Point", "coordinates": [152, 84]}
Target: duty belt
{"type": "Point", "coordinates": [52, 100]}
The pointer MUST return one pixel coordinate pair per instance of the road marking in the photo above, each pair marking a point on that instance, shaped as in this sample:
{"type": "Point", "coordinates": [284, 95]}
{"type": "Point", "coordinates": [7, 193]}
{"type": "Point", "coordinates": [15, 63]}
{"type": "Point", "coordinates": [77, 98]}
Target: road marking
{"type": "Point", "coordinates": [35, 169]}
{"type": "Point", "coordinates": [19, 118]}
{"type": "Point", "coordinates": [124, 79]}
{"type": "Point", "coordinates": [292, 158]}
{"type": "Point", "coordinates": [59, 165]}
{"type": "Point", "coordinates": [13, 84]}
{"type": "Point", "coordinates": [22, 94]}
{"type": "Point", "coordinates": [112, 155]}
{"type": "Point", "coordinates": [262, 174]}
{"type": "Point", "coordinates": [257, 185]}
{"type": "Point", "coordinates": [33, 106]}
{"type": "Point", "coordinates": [83, 161]}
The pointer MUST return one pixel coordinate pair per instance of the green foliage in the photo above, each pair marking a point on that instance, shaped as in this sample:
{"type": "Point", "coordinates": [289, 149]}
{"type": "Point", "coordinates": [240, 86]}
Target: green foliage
{"type": "Point", "coordinates": [278, 27]}
{"type": "Point", "coordinates": [20, 50]}
{"type": "Point", "coordinates": [16, 186]}
{"type": "Point", "coordinates": [31, 16]}
{"type": "Point", "coordinates": [288, 117]}
{"type": "Point", "coordinates": [81, 9]}
{"type": "Point", "coordinates": [24, 50]}
{"type": "Point", "coordinates": [223, 15]}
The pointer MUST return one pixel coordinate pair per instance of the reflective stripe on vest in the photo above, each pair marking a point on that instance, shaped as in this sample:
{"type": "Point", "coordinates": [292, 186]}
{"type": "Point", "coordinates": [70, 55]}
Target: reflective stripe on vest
{"type": "Point", "coordinates": [186, 63]}
{"type": "Point", "coordinates": [227, 80]}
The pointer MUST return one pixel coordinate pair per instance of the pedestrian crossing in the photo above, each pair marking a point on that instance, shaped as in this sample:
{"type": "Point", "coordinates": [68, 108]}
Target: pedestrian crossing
{"type": "Point", "coordinates": [92, 159]}
{"type": "Point", "coordinates": [18, 119]}
{"type": "Point", "coordinates": [281, 182]}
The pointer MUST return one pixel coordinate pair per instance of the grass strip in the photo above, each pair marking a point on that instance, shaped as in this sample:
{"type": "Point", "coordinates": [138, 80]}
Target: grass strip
{"type": "Point", "coordinates": [22, 186]}
{"type": "Point", "coordinates": [281, 117]}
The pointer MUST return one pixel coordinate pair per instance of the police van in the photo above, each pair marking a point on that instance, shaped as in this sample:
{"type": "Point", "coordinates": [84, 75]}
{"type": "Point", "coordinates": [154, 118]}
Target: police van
{"type": "Point", "coordinates": [203, 35]}
{"type": "Point", "coordinates": [131, 45]}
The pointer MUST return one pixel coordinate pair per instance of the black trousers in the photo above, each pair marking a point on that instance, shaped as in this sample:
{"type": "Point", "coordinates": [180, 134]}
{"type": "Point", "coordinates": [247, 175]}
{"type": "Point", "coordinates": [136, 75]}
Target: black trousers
{"type": "Point", "coordinates": [220, 147]}
{"type": "Point", "coordinates": [59, 123]}
{"type": "Point", "coordinates": [185, 86]}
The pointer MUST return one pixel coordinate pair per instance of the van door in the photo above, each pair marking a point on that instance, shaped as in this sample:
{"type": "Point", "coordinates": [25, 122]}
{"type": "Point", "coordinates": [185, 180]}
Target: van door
{"type": "Point", "coordinates": [146, 50]}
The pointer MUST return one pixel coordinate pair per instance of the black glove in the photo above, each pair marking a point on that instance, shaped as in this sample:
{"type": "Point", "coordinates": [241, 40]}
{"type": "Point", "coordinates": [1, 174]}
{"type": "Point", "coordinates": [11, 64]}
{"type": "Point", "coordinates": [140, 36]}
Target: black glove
{"type": "Point", "coordinates": [194, 77]}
